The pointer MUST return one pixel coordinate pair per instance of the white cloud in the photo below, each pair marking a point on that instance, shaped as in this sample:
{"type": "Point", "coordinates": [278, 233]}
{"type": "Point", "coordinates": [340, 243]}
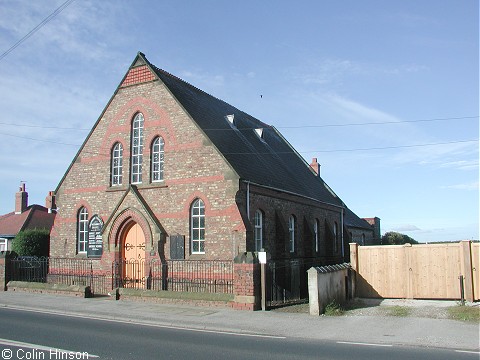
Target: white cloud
{"type": "Point", "coordinates": [406, 228]}
{"type": "Point", "coordinates": [465, 186]}
{"type": "Point", "coordinates": [83, 29]}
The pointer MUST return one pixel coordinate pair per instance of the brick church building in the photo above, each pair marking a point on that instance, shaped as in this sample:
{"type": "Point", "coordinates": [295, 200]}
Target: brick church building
{"type": "Point", "coordinates": [171, 172]}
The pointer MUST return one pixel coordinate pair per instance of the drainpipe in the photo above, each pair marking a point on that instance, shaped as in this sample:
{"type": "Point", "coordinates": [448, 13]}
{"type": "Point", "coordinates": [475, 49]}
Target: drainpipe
{"type": "Point", "coordinates": [248, 200]}
{"type": "Point", "coordinates": [343, 246]}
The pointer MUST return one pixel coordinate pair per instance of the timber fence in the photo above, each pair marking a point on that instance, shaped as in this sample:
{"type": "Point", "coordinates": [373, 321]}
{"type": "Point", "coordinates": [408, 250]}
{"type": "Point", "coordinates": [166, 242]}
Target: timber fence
{"type": "Point", "coordinates": [424, 271]}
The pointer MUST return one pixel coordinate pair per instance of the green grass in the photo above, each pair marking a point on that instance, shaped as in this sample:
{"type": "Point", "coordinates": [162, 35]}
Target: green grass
{"type": "Point", "coordinates": [400, 311]}
{"type": "Point", "coordinates": [465, 313]}
{"type": "Point", "coordinates": [334, 309]}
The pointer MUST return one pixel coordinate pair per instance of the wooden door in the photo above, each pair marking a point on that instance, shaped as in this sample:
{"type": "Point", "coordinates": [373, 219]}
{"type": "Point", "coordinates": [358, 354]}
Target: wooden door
{"type": "Point", "coordinates": [134, 255]}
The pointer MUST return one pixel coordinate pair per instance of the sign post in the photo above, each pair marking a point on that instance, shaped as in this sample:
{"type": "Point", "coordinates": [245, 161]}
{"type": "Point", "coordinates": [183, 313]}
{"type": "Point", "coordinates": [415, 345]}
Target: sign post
{"type": "Point", "coordinates": [262, 259]}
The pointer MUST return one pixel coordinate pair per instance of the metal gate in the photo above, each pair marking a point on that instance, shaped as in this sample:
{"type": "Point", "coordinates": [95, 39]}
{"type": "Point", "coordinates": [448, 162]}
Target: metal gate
{"type": "Point", "coordinates": [286, 282]}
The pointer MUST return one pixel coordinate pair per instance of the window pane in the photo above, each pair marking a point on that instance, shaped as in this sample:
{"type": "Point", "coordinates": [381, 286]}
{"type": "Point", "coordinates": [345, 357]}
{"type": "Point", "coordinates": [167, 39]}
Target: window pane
{"type": "Point", "coordinates": [137, 148]}
{"type": "Point", "coordinates": [195, 222]}
{"type": "Point", "coordinates": [197, 226]}
{"type": "Point", "coordinates": [82, 234]}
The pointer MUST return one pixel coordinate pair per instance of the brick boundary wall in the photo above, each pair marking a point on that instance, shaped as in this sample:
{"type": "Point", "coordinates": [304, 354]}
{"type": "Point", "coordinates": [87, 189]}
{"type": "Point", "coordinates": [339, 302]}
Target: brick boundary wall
{"type": "Point", "coordinates": [246, 282]}
{"type": "Point", "coordinates": [3, 281]}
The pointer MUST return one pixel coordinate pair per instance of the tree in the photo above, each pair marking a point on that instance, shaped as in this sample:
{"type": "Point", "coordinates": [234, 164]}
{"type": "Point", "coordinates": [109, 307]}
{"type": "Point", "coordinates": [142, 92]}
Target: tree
{"type": "Point", "coordinates": [395, 238]}
{"type": "Point", "coordinates": [31, 243]}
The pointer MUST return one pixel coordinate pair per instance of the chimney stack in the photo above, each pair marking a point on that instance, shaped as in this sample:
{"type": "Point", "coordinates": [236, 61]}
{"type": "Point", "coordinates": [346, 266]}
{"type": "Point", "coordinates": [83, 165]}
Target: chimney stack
{"type": "Point", "coordinates": [21, 200]}
{"type": "Point", "coordinates": [315, 166]}
{"type": "Point", "coordinates": [50, 202]}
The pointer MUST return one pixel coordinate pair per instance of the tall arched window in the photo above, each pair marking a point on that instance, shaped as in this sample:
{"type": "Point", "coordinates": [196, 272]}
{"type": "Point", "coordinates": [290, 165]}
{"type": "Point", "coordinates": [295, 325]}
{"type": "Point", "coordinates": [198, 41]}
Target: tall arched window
{"type": "Point", "coordinates": [197, 227]}
{"type": "Point", "coordinates": [291, 233]}
{"type": "Point", "coordinates": [137, 149]}
{"type": "Point", "coordinates": [82, 230]}
{"type": "Point", "coordinates": [117, 164]}
{"type": "Point", "coordinates": [258, 230]}
{"type": "Point", "coordinates": [157, 159]}
{"type": "Point", "coordinates": [316, 235]}
{"type": "Point", "coordinates": [335, 238]}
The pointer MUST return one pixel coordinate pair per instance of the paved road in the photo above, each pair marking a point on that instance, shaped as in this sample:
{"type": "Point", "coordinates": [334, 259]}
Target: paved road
{"type": "Point", "coordinates": [35, 335]}
{"type": "Point", "coordinates": [410, 331]}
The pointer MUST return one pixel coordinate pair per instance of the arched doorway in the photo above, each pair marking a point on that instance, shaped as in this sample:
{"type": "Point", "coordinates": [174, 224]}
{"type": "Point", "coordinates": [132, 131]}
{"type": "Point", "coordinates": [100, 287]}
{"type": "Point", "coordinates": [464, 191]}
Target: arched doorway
{"type": "Point", "coordinates": [134, 257]}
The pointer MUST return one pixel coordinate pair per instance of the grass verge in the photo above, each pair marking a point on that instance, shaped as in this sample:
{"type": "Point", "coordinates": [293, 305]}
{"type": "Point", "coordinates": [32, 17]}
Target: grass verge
{"type": "Point", "coordinates": [399, 311]}
{"type": "Point", "coordinates": [465, 313]}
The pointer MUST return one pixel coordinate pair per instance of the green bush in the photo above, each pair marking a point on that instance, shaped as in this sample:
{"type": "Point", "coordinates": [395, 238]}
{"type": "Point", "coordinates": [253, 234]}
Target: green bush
{"type": "Point", "coordinates": [31, 243]}
{"type": "Point", "coordinates": [334, 309]}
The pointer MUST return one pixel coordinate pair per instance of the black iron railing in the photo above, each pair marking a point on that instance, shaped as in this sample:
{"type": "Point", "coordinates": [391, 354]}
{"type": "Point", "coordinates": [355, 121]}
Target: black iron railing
{"type": "Point", "coordinates": [212, 276]}
{"type": "Point", "coordinates": [64, 271]}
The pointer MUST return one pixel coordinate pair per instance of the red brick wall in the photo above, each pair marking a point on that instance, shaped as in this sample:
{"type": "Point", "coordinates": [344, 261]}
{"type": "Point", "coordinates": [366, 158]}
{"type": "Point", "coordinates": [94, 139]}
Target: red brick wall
{"type": "Point", "coordinates": [246, 286]}
{"type": "Point", "coordinates": [193, 168]}
{"type": "Point", "coordinates": [138, 75]}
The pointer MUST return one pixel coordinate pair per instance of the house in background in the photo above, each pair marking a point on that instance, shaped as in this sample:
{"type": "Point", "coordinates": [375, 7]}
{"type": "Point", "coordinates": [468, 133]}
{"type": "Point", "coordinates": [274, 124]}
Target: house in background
{"type": "Point", "coordinates": [25, 217]}
{"type": "Point", "coordinates": [171, 172]}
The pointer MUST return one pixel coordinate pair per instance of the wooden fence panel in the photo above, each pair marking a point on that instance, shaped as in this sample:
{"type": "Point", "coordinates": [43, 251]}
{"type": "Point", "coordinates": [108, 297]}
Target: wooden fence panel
{"type": "Point", "coordinates": [420, 271]}
{"type": "Point", "coordinates": [476, 270]}
{"type": "Point", "coordinates": [378, 280]}
{"type": "Point", "coordinates": [435, 271]}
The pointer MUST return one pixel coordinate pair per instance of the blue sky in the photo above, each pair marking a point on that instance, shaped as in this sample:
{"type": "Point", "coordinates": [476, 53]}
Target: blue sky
{"type": "Point", "coordinates": [357, 84]}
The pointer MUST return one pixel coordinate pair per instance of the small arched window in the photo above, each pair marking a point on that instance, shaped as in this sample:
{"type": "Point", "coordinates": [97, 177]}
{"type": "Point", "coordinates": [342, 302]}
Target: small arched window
{"type": "Point", "coordinates": [117, 165]}
{"type": "Point", "coordinates": [137, 149]}
{"type": "Point", "coordinates": [157, 160]}
{"type": "Point", "coordinates": [82, 230]}
{"type": "Point", "coordinates": [258, 230]}
{"type": "Point", "coordinates": [197, 227]}
{"type": "Point", "coordinates": [291, 233]}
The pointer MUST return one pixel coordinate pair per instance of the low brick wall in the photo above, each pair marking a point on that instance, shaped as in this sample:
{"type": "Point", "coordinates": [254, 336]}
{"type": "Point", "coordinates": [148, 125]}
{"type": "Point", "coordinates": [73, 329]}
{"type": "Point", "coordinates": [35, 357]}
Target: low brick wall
{"type": "Point", "coordinates": [176, 297]}
{"type": "Point", "coordinates": [43, 288]}
{"type": "Point", "coordinates": [3, 279]}
{"type": "Point", "coordinates": [246, 279]}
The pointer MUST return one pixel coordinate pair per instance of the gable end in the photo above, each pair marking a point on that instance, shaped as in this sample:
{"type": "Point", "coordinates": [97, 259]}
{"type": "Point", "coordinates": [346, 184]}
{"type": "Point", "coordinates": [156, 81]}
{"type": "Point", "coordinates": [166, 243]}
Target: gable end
{"type": "Point", "coordinates": [138, 75]}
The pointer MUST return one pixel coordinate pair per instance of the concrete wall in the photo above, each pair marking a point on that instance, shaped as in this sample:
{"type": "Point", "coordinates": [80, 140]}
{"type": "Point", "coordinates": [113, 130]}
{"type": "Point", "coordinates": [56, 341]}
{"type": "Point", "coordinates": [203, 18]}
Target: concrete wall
{"type": "Point", "coordinates": [327, 284]}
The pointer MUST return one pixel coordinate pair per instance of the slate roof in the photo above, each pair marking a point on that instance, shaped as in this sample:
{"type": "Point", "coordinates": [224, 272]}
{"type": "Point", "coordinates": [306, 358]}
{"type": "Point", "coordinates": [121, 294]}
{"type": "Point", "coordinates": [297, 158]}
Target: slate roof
{"type": "Point", "coordinates": [352, 220]}
{"type": "Point", "coordinates": [34, 217]}
{"type": "Point", "coordinates": [268, 160]}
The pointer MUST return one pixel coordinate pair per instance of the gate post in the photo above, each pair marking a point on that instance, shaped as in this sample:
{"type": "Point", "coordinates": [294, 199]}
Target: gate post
{"type": "Point", "coordinates": [354, 264]}
{"type": "Point", "coordinates": [467, 268]}
{"type": "Point", "coordinates": [5, 270]}
{"type": "Point", "coordinates": [246, 282]}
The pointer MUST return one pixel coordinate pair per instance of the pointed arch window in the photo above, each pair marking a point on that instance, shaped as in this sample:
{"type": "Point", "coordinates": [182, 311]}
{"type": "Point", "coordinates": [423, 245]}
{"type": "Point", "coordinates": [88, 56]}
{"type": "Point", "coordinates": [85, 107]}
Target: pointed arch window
{"type": "Point", "coordinates": [316, 235]}
{"type": "Point", "coordinates": [137, 149]}
{"type": "Point", "coordinates": [197, 227]}
{"type": "Point", "coordinates": [117, 164]}
{"type": "Point", "coordinates": [291, 233]}
{"type": "Point", "coordinates": [157, 160]}
{"type": "Point", "coordinates": [258, 230]}
{"type": "Point", "coordinates": [82, 230]}
{"type": "Point", "coordinates": [335, 238]}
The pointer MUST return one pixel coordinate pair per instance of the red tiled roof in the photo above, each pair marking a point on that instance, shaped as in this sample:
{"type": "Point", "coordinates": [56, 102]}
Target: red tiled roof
{"type": "Point", "coordinates": [35, 217]}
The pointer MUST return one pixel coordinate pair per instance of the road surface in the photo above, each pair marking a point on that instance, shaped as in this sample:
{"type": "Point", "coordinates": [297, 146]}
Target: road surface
{"type": "Point", "coordinates": [36, 335]}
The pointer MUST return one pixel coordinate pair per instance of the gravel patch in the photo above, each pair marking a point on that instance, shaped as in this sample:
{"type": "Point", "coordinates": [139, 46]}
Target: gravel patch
{"type": "Point", "coordinates": [378, 307]}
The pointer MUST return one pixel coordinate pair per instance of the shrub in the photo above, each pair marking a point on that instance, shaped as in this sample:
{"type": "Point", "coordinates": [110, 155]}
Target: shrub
{"type": "Point", "coordinates": [334, 309]}
{"type": "Point", "coordinates": [31, 243]}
